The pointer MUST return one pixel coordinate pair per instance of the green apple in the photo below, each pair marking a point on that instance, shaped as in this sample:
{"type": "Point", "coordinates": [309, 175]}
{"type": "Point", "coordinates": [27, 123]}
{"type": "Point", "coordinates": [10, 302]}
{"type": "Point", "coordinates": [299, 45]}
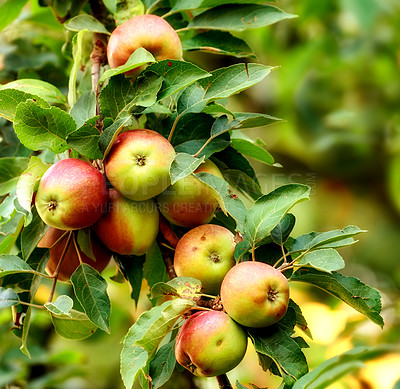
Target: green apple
{"type": "Point", "coordinates": [128, 227]}
{"type": "Point", "coordinates": [255, 294]}
{"type": "Point", "coordinates": [189, 202]}
{"type": "Point", "coordinates": [210, 343]}
{"type": "Point", "coordinates": [51, 239]}
{"type": "Point", "coordinates": [151, 32]}
{"type": "Point", "coordinates": [206, 253]}
{"type": "Point", "coordinates": [138, 164]}
{"type": "Point", "coordinates": [72, 194]}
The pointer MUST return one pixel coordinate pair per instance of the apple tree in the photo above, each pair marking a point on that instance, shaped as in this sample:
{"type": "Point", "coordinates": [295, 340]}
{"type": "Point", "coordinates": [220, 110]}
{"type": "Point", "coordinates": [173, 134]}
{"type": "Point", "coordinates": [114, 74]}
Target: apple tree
{"type": "Point", "coordinates": [138, 157]}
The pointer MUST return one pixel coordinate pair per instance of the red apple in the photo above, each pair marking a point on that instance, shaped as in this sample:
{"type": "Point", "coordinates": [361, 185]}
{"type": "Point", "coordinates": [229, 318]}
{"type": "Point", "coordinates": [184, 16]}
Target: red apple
{"type": "Point", "coordinates": [255, 294]}
{"type": "Point", "coordinates": [148, 31]}
{"type": "Point", "coordinates": [128, 227]}
{"type": "Point", "coordinates": [205, 253]}
{"type": "Point", "coordinates": [189, 202]}
{"type": "Point", "coordinates": [72, 194]}
{"type": "Point", "coordinates": [210, 343]}
{"type": "Point", "coordinates": [71, 260]}
{"type": "Point", "coordinates": [138, 164]}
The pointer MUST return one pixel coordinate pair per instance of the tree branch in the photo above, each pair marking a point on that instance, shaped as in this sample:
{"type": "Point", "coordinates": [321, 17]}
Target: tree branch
{"type": "Point", "coordinates": [223, 382]}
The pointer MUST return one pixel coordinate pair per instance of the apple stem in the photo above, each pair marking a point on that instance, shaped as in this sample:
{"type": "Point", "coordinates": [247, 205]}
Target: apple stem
{"type": "Point", "coordinates": [77, 249]}
{"type": "Point", "coordinates": [169, 266]}
{"type": "Point", "coordinates": [223, 382]}
{"type": "Point", "coordinates": [59, 239]}
{"type": "Point", "coordinates": [253, 255]}
{"type": "Point", "coordinates": [57, 271]}
{"type": "Point", "coordinates": [173, 128]}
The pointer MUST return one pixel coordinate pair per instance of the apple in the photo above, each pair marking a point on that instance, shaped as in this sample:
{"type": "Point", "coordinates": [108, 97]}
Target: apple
{"type": "Point", "coordinates": [128, 227]}
{"type": "Point", "coordinates": [210, 343]}
{"type": "Point", "coordinates": [138, 164]}
{"type": "Point", "coordinates": [206, 253]}
{"type": "Point", "coordinates": [189, 202]}
{"type": "Point", "coordinates": [255, 294]}
{"type": "Point", "coordinates": [151, 32]}
{"type": "Point", "coordinates": [71, 259]}
{"type": "Point", "coordinates": [72, 194]}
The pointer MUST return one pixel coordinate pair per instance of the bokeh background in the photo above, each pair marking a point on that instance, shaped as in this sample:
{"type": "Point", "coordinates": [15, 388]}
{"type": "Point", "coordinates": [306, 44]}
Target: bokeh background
{"type": "Point", "coordinates": [337, 87]}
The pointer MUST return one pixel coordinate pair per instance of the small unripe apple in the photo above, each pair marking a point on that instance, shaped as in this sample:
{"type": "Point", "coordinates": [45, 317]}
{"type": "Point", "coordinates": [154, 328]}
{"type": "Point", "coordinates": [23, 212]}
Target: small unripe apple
{"type": "Point", "coordinates": [189, 202]}
{"type": "Point", "coordinates": [210, 343]}
{"type": "Point", "coordinates": [71, 259]}
{"type": "Point", "coordinates": [206, 253]}
{"type": "Point", "coordinates": [128, 227]}
{"type": "Point", "coordinates": [138, 163]}
{"type": "Point", "coordinates": [72, 194]}
{"type": "Point", "coordinates": [151, 32]}
{"type": "Point", "coordinates": [255, 294]}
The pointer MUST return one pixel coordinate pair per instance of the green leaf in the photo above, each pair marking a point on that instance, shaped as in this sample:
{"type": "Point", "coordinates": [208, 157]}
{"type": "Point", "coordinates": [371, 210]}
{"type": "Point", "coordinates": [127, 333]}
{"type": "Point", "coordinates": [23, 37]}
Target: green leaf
{"type": "Point", "coordinates": [176, 75]}
{"type": "Point", "coordinates": [183, 165]}
{"type": "Point", "coordinates": [131, 267]}
{"type": "Point", "coordinates": [215, 109]}
{"type": "Point", "coordinates": [85, 243]}
{"type": "Point", "coordinates": [76, 325]}
{"type": "Point", "coordinates": [334, 368]}
{"type": "Point", "coordinates": [328, 260]}
{"type": "Point", "coordinates": [37, 260]}
{"type": "Point", "coordinates": [7, 209]}
{"type": "Point", "coordinates": [191, 126]}
{"type": "Point", "coordinates": [10, 98]}
{"type": "Point", "coordinates": [144, 337]}
{"type": "Point", "coordinates": [184, 287]}
{"type": "Point", "coordinates": [85, 23]}
{"type": "Point", "coordinates": [84, 108]}
{"type": "Point", "coordinates": [62, 306]}
{"type": "Point", "coordinates": [191, 100]}
{"type": "Point", "coordinates": [91, 291]}
{"type": "Point", "coordinates": [46, 91]}
{"type": "Point", "coordinates": [242, 182]}
{"type": "Point", "coordinates": [301, 322]}
{"type": "Point", "coordinates": [9, 11]}
{"type": "Point", "coordinates": [228, 201]}
{"type": "Point", "coordinates": [350, 290]}
{"type": "Point", "coordinates": [184, 5]}
{"type": "Point", "coordinates": [126, 9]}
{"type": "Point", "coordinates": [280, 233]}
{"type": "Point", "coordinates": [8, 298]}
{"type": "Point", "coordinates": [154, 267]}
{"type": "Point", "coordinates": [39, 128]}
{"type": "Point", "coordinates": [329, 239]}
{"type": "Point", "coordinates": [85, 139]}
{"type": "Point", "coordinates": [238, 17]}
{"type": "Point", "coordinates": [252, 150]}
{"type": "Point", "coordinates": [269, 209]}
{"type": "Point", "coordinates": [31, 234]}
{"type": "Point", "coordinates": [228, 81]}
{"type": "Point", "coordinates": [218, 42]}
{"type": "Point", "coordinates": [10, 170]}
{"type": "Point", "coordinates": [27, 182]}
{"type": "Point", "coordinates": [275, 343]}
{"type": "Point", "coordinates": [163, 365]}
{"type": "Point", "coordinates": [252, 119]}
{"type": "Point", "coordinates": [109, 135]}
{"type": "Point", "coordinates": [77, 55]}
{"type": "Point", "coordinates": [119, 97]}
{"type": "Point", "coordinates": [10, 264]}
{"type": "Point", "coordinates": [193, 146]}
{"type": "Point", "coordinates": [138, 58]}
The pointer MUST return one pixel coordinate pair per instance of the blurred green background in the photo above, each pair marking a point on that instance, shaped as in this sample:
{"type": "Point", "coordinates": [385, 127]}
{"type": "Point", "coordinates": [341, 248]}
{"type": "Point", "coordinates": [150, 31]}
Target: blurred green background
{"type": "Point", "coordinates": [337, 87]}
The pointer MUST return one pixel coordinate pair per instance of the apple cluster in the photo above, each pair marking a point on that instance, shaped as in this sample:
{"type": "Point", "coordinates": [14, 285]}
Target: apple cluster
{"type": "Point", "coordinates": [253, 294]}
{"type": "Point", "coordinates": [120, 205]}
{"type": "Point", "coordinates": [122, 208]}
